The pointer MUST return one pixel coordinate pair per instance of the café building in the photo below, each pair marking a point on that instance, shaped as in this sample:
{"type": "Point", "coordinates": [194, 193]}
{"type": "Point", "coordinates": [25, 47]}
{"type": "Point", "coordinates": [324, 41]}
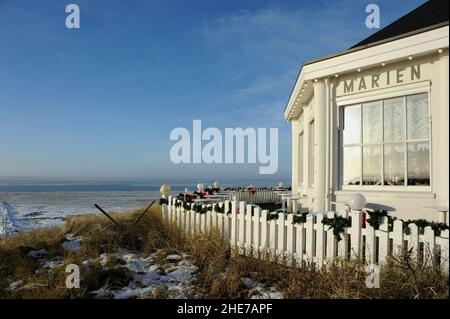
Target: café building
{"type": "Point", "coordinates": [374, 119]}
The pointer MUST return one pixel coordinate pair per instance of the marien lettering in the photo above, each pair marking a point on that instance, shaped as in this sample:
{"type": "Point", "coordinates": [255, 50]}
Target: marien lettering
{"type": "Point", "coordinates": [388, 77]}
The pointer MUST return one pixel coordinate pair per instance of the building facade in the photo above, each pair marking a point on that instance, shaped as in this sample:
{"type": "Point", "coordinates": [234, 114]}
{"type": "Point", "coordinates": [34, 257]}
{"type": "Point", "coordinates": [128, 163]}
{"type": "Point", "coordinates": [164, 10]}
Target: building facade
{"type": "Point", "coordinates": [375, 120]}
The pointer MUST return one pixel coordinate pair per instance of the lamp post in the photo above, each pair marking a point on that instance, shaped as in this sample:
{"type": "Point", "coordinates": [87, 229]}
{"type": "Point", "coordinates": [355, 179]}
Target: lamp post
{"type": "Point", "coordinates": [216, 185]}
{"type": "Point", "coordinates": [165, 190]}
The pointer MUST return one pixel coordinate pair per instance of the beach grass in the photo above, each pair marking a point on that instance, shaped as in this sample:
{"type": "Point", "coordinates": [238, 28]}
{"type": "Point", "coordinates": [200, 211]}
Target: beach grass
{"type": "Point", "coordinates": [220, 269]}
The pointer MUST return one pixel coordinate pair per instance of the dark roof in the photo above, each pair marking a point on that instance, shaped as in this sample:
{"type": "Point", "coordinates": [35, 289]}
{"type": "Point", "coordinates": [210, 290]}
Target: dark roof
{"type": "Point", "coordinates": [431, 13]}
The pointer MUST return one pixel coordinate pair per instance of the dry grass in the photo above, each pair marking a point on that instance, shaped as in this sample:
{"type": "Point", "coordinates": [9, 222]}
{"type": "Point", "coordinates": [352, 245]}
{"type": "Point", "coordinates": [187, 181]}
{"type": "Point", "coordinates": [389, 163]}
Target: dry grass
{"type": "Point", "coordinates": [220, 269]}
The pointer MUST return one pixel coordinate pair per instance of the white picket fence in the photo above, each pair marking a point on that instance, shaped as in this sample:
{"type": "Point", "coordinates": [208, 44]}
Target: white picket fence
{"type": "Point", "coordinates": [248, 228]}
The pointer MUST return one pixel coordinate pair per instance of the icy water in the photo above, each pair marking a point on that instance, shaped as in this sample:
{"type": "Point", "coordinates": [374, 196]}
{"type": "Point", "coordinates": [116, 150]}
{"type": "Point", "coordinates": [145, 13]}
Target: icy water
{"type": "Point", "coordinates": [46, 203]}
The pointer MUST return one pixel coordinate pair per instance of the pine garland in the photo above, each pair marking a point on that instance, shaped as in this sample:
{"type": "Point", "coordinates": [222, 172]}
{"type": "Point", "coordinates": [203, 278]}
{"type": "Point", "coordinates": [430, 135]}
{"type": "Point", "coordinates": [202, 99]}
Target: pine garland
{"type": "Point", "coordinates": [422, 224]}
{"type": "Point", "coordinates": [338, 224]}
{"type": "Point", "coordinates": [376, 216]}
{"type": "Point", "coordinates": [299, 218]}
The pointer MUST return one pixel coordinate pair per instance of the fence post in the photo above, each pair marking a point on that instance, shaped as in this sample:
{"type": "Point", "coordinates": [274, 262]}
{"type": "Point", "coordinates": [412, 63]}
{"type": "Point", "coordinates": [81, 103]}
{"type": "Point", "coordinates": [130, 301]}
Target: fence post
{"type": "Point", "coordinates": [343, 243]}
{"type": "Point", "coordinates": [249, 228]}
{"type": "Point", "coordinates": [187, 220]}
{"type": "Point", "coordinates": [383, 240]}
{"type": "Point", "coordinates": [331, 240]}
{"type": "Point", "coordinates": [397, 238]}
{"type": "Point", "coordinates": [356, 230]}
{"type": "Point", "coordinates": [443, 239]}
{"type": "Point", "coordinates": [429, 246]}
{"type": "Point", "coordinates": [281, 233]}
{"type": "Point", "coordinates": [310, 237]}
{"type": "Point", "coordinates": [193, 221]}
{"type": "Point", "coordinates": [320, 240]}
{"type": "Point", "coordinates": [290, 236]}
{"type": "Point", "coordinates": [299, 243]}
{"type": "Point", "coordinates": [234, 204]}
{"type": "Point", "coordinates": [370, 252]}
{"type": "Point", "coordinates": [165, 212]}
{"type": "Point", "coordinates": [273, 236]}
{"type": "Point", "coordinates": [257, 228]}
{"type": "Point", "coordinates": [264, 243]}
{"type": "Point", "coordinates": [413, 242]}
{"type": "Point", "coordinates": [241, 225]}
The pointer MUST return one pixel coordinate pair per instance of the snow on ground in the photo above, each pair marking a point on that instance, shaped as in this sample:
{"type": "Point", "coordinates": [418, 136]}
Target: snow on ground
{"type": "Point", "coordinates": [38, 253]}
{"type": "Point", "coordinates": [8, 222]}
{"type": "Point", "coordinates": [175, 276]}
{"type": "Point", "coordinates": [259, 290]}
{"type": "Point", "coordinates": [72, 243]}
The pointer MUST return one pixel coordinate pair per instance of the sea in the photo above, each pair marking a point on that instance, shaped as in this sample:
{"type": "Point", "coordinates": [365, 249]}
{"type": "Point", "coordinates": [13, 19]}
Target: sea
{"type": "Point", "coordinates": [30, 204]}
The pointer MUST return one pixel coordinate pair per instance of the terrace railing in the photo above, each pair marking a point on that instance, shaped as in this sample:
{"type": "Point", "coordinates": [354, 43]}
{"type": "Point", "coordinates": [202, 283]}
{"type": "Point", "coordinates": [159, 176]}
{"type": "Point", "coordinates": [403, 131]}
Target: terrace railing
{"type": "Point", "coordinates": [255, 196]}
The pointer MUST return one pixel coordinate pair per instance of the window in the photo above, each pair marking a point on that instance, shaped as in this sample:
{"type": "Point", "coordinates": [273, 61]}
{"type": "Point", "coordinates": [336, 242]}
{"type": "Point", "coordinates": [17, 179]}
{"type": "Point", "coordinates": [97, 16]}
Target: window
{"type": "Point", "coordinates": [387, 142]}
{"type": "Point", "coordinates": [311, 150]}
{"type": "Point", "coordinates": [300, 158]}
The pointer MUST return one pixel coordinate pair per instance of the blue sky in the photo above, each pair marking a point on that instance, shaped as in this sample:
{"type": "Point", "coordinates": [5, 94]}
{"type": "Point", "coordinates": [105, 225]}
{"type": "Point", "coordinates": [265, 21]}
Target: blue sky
{"type": "Point", "coordinates": [101, 101]}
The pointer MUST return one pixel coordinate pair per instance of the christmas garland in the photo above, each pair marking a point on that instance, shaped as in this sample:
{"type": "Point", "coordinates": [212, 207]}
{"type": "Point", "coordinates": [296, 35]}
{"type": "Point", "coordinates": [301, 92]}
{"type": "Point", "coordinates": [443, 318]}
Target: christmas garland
{"type": "Point", "coordinates": [375, 220]}
{"type": "Point", "coordinates": [338, 224]}
{"type": "Point", "coordinates": [422, 223]}
{"type": "Point", "coordinates": [299, 218]}
{"type": "Point", "coordinates": [376, 216]}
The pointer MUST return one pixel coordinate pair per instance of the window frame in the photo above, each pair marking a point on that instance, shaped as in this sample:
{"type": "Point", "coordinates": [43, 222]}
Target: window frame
{"type": "Point", "coordinates": [382, 143]}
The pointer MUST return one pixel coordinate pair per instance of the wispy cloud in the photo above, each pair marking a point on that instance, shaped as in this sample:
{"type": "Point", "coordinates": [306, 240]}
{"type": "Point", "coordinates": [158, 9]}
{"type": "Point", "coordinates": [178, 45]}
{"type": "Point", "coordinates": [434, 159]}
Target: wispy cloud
{"type": "Point", "coordinates": [284, 35]}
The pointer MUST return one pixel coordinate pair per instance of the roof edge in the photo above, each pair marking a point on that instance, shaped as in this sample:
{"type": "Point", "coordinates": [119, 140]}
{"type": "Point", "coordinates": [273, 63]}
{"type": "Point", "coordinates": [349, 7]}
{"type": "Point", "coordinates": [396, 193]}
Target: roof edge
{"type": "Point", "coordinates": [365, 46]}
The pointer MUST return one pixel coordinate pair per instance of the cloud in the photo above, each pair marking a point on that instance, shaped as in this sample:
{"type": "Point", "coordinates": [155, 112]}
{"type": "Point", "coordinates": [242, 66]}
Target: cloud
{"type": "Point", "coordinates": [284, 35]}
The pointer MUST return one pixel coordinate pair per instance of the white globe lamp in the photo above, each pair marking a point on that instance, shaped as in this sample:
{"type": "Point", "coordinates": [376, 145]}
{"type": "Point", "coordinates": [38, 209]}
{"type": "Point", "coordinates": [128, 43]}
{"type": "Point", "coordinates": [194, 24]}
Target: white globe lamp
{"type": "Point", "coordinates": [165, 190]}
{"type": "Point", "coordinates": [357, 201]}
{"type": "Point", "coordinates": [200, 187]}
{"type": "Point", "coordinates": [216, 184]}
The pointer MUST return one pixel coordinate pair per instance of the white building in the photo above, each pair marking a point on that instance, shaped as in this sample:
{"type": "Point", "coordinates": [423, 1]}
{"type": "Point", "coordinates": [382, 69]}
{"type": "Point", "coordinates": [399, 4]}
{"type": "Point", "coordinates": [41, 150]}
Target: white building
{"type": "Point", "coordinates": [374, 119]}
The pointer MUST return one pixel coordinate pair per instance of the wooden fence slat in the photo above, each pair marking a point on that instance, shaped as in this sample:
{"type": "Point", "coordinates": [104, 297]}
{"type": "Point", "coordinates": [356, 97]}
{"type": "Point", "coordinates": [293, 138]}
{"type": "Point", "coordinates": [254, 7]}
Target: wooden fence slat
{"type": "Point", "coordinates": [413, 241]}
{"type": "Point", "coordinates": [444, 255]}
{"type": "Point", "coordinates": [264, 230]}
{"type": "Point", "coordinates": [233, 237]}
{"type": "Point", "coordinates": [320, 240]}
{"type": "Point", "coordinates": [290, 240]}
{"type": "Point", "coordinates": [309, 238]}
{"type": "Point", "coordinates": [249, 228]}
{"type": "Point", "coordinates": [241, 224]}
{"type": "Point", "coordinates": [257, 229]}
{"type": "Point", "coordinates": [370, 245]}
{"type": "Point", "coordinates": [383, 240]}
{"type": "Point", "coordinates": [273, 236]}
{"type": "Point", "coordinates": [398, 238]}
{"type": "Point", "coordinates": [281, 245]}
{"type": "Point", "coordinates": [356, 234]}
{"type": "Point", "coordinates": [429, 246]}
{"type": "Point", "coordinates": [343, 243]}
{"type": "Point", "coordinates": [331, 240]}
{"type": "Point", "coordinates": [299, 243]}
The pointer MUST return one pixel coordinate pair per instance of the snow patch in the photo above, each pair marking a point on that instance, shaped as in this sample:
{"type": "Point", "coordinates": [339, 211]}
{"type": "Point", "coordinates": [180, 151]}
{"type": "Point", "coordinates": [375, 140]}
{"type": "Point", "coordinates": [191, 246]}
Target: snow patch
{"type": "Point", "coordinates": [258, 290]}
{"type": "Point", "coordinates": [72, 243]}
{"type": "Point", "coordinates": [175, 277]}
{"type": "Point", "coordinates": [36, 254]}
